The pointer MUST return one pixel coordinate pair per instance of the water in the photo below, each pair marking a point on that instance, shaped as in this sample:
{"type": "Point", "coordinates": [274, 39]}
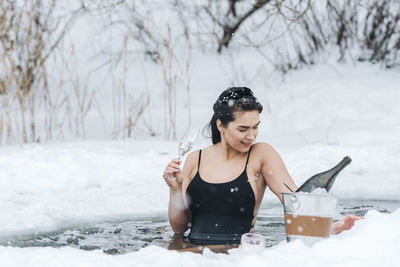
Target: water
{"type": "Point", "coordinates": [126, 236]}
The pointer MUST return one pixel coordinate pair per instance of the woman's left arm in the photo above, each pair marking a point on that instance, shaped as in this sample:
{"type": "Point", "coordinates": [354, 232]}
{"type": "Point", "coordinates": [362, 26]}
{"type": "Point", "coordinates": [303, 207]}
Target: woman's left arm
{"type": "Point", "coordinates": [276, 176]}
{"type": "Point", "coordinates": [274, 170]}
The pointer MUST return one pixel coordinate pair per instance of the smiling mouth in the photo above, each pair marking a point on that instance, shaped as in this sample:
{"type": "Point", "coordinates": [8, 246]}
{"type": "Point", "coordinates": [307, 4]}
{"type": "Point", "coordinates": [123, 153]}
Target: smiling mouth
{"type": "Point", "coordinates": [246, 144]}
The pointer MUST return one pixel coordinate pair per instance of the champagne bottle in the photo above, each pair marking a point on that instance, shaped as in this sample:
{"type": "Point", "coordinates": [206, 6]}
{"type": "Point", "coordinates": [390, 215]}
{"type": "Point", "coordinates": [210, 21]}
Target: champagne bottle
{"type": "Point", "coordinates": [324, 179]}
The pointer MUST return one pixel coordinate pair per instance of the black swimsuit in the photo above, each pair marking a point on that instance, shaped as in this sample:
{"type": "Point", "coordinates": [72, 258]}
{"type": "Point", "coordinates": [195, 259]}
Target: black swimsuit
{"type": "Point", "coordinates": [221, 212]}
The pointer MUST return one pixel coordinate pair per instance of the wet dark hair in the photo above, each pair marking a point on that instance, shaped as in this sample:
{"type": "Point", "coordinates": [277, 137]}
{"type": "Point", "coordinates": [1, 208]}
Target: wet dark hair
{"type": "Point", "coordinates": [233, 99]}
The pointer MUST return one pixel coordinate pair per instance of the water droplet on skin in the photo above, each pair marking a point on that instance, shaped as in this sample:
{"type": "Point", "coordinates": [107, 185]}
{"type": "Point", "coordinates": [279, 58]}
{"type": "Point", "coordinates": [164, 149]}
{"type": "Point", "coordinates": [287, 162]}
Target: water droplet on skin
{"type": "Point", "coordinates": [288, 221]}
{"type": "Point", "coordinates": [270, 172]}
{"type": "Point", "coordinates": [300, 229]}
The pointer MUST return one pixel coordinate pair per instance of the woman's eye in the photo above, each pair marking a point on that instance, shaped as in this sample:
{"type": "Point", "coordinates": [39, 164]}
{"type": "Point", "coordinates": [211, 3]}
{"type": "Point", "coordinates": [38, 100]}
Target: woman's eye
{"type": "Point", "coordinates": [242, 131]}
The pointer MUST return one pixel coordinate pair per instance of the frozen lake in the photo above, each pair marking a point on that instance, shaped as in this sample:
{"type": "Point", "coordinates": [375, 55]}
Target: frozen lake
{"type": "Point", "coordinates": [119, 237]}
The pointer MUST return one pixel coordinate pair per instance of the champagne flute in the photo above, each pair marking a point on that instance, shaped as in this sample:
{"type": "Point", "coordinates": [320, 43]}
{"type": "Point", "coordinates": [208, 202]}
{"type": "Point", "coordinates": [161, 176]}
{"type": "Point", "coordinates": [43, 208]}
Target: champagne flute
{"type": "Point", "coordinates": [185, 145]}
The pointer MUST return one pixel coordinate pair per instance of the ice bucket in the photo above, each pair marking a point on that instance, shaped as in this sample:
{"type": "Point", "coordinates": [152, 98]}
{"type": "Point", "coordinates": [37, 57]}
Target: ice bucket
{"type": "Point", "coordinates": [308, 217]}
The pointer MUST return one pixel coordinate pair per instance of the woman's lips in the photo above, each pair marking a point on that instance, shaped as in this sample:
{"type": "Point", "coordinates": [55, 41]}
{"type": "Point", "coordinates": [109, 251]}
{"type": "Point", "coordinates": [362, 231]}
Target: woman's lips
{"type": "Point", "coordinates": [246, 144]}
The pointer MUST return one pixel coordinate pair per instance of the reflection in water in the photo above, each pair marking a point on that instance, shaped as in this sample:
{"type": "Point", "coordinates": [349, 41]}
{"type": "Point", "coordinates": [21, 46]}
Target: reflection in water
{"type": "Point", "coordinates": [127, 236]}
{"type": "Point", "coordinates": [180, 242]}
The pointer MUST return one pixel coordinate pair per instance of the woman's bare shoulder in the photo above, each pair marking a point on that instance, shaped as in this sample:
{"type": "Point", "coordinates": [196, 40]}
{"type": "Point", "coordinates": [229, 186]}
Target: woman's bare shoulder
{"type": "Point", "coordinates": [264, 151]}
{"type": "Point", "coordinates": [192, 157]}
{"type": "Point", "coordinates": [262, 147]}
{"type": "Point", "coordinates": [190, 165]}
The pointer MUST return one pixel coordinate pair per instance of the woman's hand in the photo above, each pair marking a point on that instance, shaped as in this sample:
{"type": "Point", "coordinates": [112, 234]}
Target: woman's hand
{"type": "Point", "coordinates": [344, 224]}
{"type": "Point", "coordinates": [173, 174]}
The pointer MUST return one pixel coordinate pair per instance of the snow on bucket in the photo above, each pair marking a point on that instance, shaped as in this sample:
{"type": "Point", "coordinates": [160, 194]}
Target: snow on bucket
{"type": "Point", "coordinates": [308, 217]}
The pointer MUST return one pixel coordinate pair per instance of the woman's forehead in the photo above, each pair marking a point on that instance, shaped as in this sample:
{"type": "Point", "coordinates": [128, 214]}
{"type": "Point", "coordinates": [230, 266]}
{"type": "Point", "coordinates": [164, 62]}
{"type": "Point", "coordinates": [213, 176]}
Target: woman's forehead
{"type": "Point", "coordinates": [247, 118]}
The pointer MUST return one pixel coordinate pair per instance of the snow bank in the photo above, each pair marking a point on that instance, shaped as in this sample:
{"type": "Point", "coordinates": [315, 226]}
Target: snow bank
{"type": "Point", "coordinates": [372, 242]}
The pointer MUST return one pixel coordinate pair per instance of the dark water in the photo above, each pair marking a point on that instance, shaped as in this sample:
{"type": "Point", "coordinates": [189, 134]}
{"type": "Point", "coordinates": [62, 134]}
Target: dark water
{"type": "Point", "coordinates": [131, 235]}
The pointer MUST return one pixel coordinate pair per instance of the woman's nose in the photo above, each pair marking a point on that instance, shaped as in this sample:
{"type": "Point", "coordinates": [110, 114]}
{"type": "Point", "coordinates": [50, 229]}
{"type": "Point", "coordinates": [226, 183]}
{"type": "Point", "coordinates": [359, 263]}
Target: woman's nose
{"type": "Point", "coordinates": [252, 135]}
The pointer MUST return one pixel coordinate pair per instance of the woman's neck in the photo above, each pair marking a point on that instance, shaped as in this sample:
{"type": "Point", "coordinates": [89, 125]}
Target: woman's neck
{"type": "Point", "coordinates": [226, 151]}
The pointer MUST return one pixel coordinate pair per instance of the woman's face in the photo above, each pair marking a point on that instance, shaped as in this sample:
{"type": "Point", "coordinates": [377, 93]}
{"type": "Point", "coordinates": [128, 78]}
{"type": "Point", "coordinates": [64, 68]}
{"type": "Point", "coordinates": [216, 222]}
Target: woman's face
{"type": "Point", "coordinates": [241, 133]}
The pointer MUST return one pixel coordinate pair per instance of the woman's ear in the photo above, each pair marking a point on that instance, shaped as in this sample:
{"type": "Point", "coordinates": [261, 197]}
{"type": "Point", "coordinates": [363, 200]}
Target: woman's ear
{"type": "Point", "coordinates": [219, 125]}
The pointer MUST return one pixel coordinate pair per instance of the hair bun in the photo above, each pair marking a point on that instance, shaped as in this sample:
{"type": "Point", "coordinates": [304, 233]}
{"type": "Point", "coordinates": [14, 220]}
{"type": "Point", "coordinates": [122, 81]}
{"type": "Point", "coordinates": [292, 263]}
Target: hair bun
{"type": "Point", "coordinates": [234, 93]}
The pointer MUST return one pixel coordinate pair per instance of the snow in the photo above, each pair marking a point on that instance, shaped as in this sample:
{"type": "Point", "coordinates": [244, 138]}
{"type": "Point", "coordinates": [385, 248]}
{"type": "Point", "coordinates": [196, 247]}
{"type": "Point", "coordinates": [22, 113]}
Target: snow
{"type": "Point", "coordinates": [313, 118]}
{"type": "Point", "coordinates": [372, 242]}
{"type": "Point", "coordinates": [316, 117]}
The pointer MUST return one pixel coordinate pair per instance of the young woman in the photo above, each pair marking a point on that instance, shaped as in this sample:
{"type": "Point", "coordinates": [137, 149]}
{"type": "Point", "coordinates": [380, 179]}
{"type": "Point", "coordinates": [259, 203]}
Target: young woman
{"type": "Point", "coordinates": [219, 191]}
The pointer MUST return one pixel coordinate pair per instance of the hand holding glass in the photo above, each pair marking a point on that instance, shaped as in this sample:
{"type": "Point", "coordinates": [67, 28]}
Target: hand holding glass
{"type": "Point", "coordinates": [185, 145]}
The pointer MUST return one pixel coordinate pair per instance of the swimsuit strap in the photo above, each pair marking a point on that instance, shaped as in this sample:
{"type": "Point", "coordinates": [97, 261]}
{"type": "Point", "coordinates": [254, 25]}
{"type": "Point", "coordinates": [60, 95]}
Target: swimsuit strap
{"type": "Point", "coordinates": [198, 166]}
{"type": "Point", "coordinates": [247, 161]}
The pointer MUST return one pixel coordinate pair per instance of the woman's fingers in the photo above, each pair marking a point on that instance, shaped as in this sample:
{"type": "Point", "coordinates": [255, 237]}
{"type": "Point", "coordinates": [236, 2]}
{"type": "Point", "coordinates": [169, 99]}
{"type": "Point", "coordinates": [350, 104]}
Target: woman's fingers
{"type": "Point", "coordinates": [345, 224]}
{"type": "Point", "coordinates": [171, 183]}
{"type": "Point", "coordinates": [174, 166]}
{"type": "Point", "coordinates": [171, 170]}
{"type": "Point", "coordinates": [349, 220]}
{"type": "Point", "coordinates": [171, 173]}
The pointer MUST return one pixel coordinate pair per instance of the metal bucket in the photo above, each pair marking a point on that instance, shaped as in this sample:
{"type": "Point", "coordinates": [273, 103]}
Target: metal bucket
{"type": "Point", "coordinates": [308, 217]}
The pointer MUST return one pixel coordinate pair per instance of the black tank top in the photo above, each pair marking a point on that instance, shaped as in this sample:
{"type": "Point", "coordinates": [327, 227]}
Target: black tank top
{"type": "Point", "coordinates": [221, 212]}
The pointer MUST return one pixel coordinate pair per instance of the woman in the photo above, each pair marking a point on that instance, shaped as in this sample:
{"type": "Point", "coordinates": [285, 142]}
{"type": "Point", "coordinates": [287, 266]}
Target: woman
{"type": "Point", "coordinates": [220, 188]}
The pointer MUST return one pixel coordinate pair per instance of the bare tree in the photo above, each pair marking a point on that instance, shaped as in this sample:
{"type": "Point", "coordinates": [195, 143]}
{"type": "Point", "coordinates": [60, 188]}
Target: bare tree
{"type": "Point", "coordinates": [29, 35]}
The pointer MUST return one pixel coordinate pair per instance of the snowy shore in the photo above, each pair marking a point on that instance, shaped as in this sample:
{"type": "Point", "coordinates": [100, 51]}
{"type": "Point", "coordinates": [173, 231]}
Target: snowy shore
{"type": "Point", "coordinates": [317, 117]}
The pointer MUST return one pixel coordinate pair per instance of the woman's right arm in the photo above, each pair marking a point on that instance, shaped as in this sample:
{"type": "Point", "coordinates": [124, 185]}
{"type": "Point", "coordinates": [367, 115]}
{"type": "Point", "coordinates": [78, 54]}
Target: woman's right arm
{"type": "Point", "coordinates": [178, 213]}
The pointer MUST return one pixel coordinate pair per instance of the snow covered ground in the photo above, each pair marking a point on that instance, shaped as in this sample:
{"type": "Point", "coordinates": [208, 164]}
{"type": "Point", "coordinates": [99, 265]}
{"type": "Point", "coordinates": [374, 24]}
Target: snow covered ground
{"type": "Point", "coordinates": [314, 119]}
